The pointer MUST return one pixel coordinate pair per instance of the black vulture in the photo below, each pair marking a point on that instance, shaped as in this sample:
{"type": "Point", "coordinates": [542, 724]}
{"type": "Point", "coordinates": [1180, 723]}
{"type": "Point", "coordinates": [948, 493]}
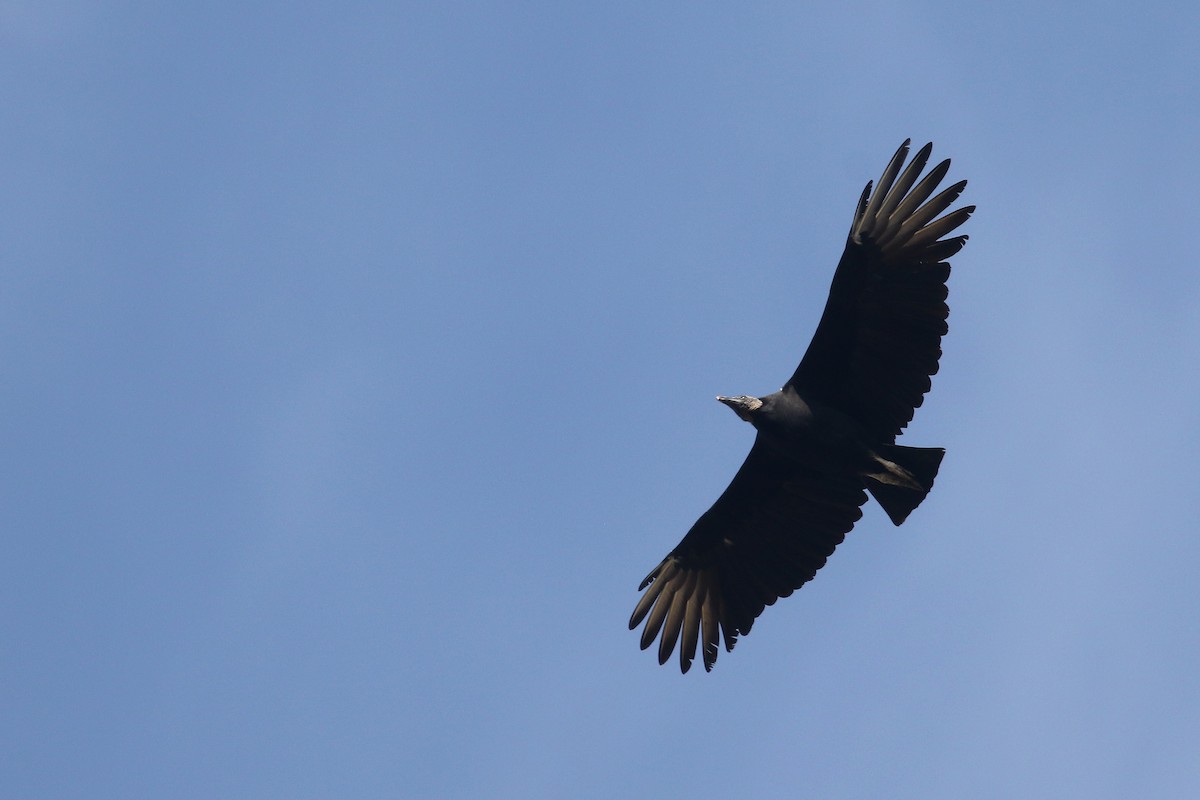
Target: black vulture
{"type": "Point", "coordinates": [828, 436]}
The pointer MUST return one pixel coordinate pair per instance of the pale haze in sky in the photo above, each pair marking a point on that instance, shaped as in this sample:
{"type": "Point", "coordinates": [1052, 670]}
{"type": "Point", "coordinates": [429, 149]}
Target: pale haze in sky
{"type": "Point", "coordinates": [359, 361]}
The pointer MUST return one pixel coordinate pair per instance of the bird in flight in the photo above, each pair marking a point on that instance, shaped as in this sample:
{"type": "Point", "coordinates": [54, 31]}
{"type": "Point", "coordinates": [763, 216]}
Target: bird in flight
{"type": "Point", "coordinates": [827, 438]}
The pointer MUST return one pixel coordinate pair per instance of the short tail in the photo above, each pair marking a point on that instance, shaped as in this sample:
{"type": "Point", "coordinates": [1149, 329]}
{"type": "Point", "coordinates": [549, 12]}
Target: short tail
{"type": "Point", "coordinates": [905, 476]}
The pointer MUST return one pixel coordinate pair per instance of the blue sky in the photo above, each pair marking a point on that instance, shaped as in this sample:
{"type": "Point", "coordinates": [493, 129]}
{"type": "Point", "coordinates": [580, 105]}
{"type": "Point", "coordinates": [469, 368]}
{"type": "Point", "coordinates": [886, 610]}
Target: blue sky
{"type": "Point", "coordinates": [360, 360]}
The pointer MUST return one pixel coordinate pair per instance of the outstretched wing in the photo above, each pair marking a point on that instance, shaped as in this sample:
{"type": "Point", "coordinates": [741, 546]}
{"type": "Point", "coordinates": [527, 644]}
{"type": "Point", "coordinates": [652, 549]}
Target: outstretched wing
{"type": "Point", "coordinates": [765, 537]}
{"type": "Point", "coordinates": [879, 339]}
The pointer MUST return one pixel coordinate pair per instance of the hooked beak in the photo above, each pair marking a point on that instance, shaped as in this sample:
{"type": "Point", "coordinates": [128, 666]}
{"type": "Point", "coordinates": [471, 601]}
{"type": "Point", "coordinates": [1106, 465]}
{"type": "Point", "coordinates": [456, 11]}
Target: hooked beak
{"type": "Point", "coordinates": [742, 405]}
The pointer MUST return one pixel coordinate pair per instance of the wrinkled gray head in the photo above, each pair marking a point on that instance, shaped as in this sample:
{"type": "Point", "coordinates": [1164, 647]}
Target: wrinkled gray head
{"type": "Point", "coordinates": [742, 405]}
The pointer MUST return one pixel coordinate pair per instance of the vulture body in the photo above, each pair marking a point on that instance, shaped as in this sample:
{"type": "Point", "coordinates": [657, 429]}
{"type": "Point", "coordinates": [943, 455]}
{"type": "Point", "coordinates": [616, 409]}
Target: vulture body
{"type": "Point", "coordinates": [827, 438]}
